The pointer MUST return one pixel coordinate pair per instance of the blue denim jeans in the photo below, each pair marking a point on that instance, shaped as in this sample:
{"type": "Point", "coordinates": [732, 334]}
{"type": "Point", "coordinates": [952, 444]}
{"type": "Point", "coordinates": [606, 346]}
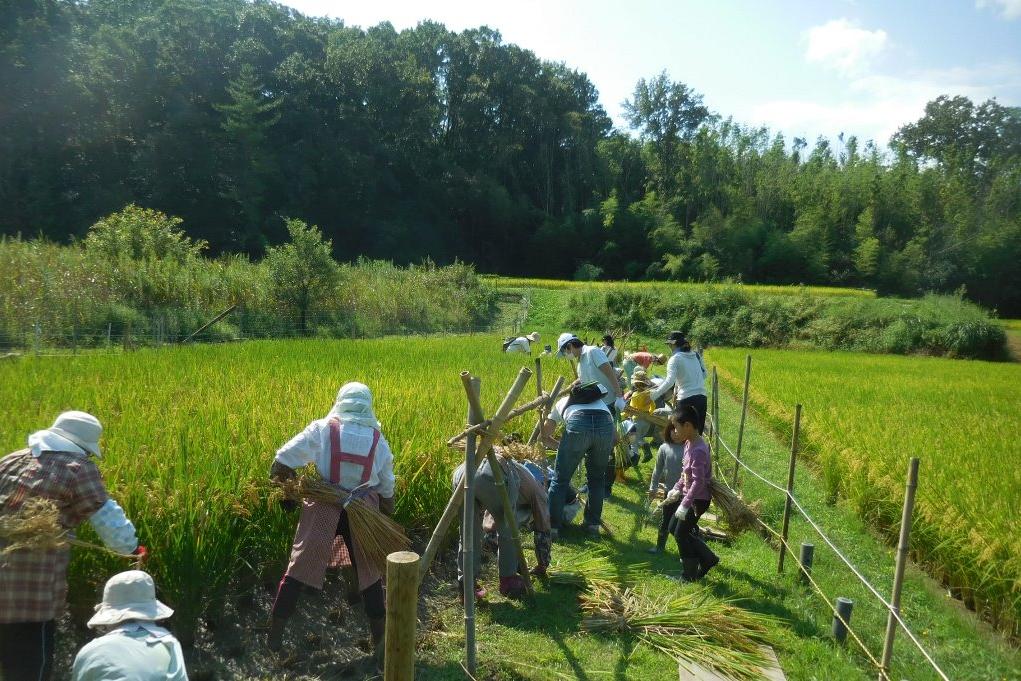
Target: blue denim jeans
{"type": "Point", "coordinates": [587, 435]}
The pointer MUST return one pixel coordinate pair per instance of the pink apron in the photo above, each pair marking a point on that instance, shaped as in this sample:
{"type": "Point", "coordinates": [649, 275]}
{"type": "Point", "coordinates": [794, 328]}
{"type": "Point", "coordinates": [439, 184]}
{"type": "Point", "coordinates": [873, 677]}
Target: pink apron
{"type": "Point", "coordinates": [316, 542]}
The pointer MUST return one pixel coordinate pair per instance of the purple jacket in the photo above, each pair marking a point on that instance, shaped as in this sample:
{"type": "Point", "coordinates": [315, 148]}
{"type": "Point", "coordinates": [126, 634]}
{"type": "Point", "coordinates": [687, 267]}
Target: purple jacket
{"type": "Point", "coordinates": [696, 474]}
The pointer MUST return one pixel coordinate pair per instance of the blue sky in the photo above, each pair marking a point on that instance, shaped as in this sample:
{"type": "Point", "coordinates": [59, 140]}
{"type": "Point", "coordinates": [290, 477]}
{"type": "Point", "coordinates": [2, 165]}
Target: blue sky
{"type": "Point", "coordinates": [803, 68]}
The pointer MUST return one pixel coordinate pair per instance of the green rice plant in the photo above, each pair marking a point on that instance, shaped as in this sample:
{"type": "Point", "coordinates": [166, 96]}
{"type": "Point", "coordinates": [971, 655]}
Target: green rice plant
{"type": "Point", "coordinates": [866, 415]}
{"type": "Point", "coordinates": [675, 286]}
{"type": "Point", "coordinates": [595, 567]}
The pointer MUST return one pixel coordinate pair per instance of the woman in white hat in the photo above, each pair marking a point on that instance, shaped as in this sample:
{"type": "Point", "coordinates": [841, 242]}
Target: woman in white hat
{"type": "Point", "coordinates": [132, 646]}
{"type": "Point", "coordinates": [522, 343]}
{"type": "Point", "coordinates": [350, 452]}
{"type": "Point", "coordinates": [33, 584]}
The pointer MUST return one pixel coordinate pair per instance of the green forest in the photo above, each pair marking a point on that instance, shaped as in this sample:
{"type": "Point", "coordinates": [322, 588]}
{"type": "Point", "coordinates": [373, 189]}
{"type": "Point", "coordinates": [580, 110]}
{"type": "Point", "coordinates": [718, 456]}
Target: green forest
{"type": "Point", "coordinates": [426, 143]}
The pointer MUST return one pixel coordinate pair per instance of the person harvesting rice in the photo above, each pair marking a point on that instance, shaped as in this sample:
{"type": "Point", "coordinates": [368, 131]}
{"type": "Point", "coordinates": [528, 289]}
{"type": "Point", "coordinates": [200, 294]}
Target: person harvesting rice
{"type": "Point", "coordinates": [532, 511]}
{"type": "Point", "coordinates": [685, 375]}
{"type": "Point", "coordinates": [692, 494]}
{"type": "Point", "coordinates": [521, 343]}
{"type": "Point", "coordinates": [33, 582]}
{"type": "Point", "coordinates": [350, 452]}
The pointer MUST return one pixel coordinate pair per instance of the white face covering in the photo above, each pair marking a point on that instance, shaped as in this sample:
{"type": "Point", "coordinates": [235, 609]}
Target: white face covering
{"type": "Point", "coordinates": [48, 441]}
{"type": "Point", "coordinates": [354, 405]}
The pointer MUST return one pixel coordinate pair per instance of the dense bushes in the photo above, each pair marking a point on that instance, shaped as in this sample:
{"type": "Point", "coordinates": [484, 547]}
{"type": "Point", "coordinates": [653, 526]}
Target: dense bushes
{"type": "Point", "coordinates": [727, 315]}
{"type": "Point", "coordinates": [137, 277]}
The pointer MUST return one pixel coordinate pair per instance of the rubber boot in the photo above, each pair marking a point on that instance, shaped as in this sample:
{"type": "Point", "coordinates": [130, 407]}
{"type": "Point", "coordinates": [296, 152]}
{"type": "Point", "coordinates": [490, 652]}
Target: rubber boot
{"type": "Point", "coordinates": [275, 637]}
{"type": "Point", "coordinates": [707, 560]}
{"type": "Point", "coordinates": [352, 594]}
{"type": "Point", "coordinates": [377, 629]}
{"type": "Point", "coordinates": [689, 569]}
{"type": "Point", "coordinates": [660, 543]}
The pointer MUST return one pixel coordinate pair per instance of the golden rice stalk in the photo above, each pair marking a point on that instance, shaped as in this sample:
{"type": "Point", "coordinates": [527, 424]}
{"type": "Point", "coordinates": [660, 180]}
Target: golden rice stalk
{"type": "Point", "coordinates": [521, 452]}
{"type": "Point", "coordinates": [595, 567]}
{"type": "Point", "coordinates": [33, 527]}
{"type": "Point", "coordinates": [739, 515]}
{"type": "Point", "coordinates": [691, 627]}
{"type": "Point", "coordinates": [376, 533]}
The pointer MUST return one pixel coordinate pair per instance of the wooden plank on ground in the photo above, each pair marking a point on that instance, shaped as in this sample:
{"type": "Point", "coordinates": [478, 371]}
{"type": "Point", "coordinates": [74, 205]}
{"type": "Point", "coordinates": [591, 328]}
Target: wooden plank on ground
{"type": "Point", "coordinates": [695, 672]}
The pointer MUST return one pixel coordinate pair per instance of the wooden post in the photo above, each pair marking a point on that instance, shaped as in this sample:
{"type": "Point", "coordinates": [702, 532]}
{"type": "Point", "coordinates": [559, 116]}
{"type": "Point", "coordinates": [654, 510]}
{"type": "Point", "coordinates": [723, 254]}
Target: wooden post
{"type": "Point", "coordinates": [545, 409]}
{"type": "Point", "coordinates": [401, 615]}
{"type": "Point", "coordinates": [538, 377]}
{"type": "Point", "coordinates": [468, 538]}
{"type": "Point", "coordinates": [716, 410]}
{"type": "Point", "coordinates": [787, 504]}
{"type": "Point", "coordinates": [454, 503]}
{"type": "Point", "coordinates": [109, 330]}
{"type": "Point", "coordinates": [744, 413]}
{"type": "Point", "coordinates": [903, 544]}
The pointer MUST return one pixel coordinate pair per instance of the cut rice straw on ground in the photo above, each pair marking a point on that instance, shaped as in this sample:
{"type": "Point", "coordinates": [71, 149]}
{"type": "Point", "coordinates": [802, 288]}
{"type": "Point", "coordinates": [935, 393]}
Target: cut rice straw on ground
{"type": "Point", "coordinates": [377, 534]}
{"type": "Point", "coordinates": [739, 515]}
{"type": "Point", "coordinates": [595, 567]}
{"type": "Point", "coordinates": [692, 627]}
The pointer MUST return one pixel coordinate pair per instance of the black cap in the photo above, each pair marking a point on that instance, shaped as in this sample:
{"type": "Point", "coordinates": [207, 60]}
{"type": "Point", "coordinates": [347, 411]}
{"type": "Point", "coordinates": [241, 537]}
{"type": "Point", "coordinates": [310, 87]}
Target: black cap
{"type": "Point", "coordinates": [677, 338]}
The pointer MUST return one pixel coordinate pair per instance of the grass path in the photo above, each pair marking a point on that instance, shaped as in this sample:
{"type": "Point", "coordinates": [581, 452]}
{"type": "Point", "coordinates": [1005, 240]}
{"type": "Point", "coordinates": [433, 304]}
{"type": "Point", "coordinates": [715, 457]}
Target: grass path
{"type": "Point", "coordinates": [543, 640]}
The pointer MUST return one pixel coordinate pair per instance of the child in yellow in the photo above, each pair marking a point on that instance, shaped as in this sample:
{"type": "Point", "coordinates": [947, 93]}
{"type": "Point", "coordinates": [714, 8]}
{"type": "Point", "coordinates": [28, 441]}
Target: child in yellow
{"type": "Point", "coordinates": [641, 400]}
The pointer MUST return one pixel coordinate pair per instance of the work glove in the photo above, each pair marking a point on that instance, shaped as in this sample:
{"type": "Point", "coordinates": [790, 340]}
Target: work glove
{"type": "Point", "coordinates": [386, 505]}
{"type": "Point", "coordinates": [141, 554]}
{"type": "Point", "coordinates": [672, 496]}
{"type": "Point", "coordinates": [288, 505]}
{"type": "Point", "coordinates": [681, 511]}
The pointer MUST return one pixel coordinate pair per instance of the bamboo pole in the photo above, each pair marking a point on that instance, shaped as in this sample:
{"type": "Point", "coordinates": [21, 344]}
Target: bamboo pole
{"type": "Point", "coordinates": [454, 503]}
{"type": "Point", "coordinates": [716, 411]}
{"type": "Point", "coordinates": [468, 539]}
{"type": "Point", "coordinates": [903, 545]}
{"type": "Point", "coordinates": [210, 323]}
{"type": "Point", "coordinates": [480, 428]}
{"type": "Point", "coordinates": [744, 413]}
{"type": "Point", "coordinates": [545, 409]}
{"type": "Point", "coordinates": [538, 376]}
{"type": "Point", "coordinates": [508, 506]}
{"type": "Point", "coordinates": [401, 615]}
{"type": "Point", "coordinates": [788, 501]}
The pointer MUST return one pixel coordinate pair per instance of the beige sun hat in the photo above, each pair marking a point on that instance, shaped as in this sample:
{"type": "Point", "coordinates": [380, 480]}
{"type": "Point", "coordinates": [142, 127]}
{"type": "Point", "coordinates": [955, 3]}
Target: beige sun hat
{"type": "Point", "coordinates": [129, 595]}
{"type": "Point", "coordinates": [533, 337]}
{"type": "Point", "coordinates": [81, 428]}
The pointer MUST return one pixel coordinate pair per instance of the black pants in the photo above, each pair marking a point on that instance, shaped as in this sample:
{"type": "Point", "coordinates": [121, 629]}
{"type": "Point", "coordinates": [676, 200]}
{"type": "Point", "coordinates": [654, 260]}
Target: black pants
{"type": "Point", "coordinates": [686, 542]}
{"type": "Point", "coordinates": [700, 403]}
{"type": "Point", "coordinates": [664, 525]}
{"type": "Point", "coordinates": [373, 598]}
{"type": "Point", "coordinates": [26, 650]}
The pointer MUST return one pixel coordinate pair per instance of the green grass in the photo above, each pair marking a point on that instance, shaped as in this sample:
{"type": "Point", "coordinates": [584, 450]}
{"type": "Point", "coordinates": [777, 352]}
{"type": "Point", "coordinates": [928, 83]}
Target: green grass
{"type": "Point", "coordinates": [560, 284]}
{"type": "Point", "coordinates": [1011, 324]}
{"type": "Point", "coordinates": [866, 415]}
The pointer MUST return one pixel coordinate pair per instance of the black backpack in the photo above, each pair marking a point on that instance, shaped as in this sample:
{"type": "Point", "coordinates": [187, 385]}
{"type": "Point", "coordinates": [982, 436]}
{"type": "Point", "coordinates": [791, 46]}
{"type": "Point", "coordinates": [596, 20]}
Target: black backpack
{"type": "Point", "coordinates": [585, 393]}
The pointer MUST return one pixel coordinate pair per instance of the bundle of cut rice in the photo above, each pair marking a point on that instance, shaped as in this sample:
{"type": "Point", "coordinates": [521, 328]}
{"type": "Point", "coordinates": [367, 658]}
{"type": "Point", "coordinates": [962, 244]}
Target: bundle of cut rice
{"type": "Point", "coordinates": [522, 452]}
{"type": "Point", "coordinates": [738, 515]}
{"type": "Point", "coordinates": [376, 533]}
{"type": "Point", "coordinates": [33, 527]}
{"type": "Point", "coordinates": [595, 567]}
{"type": "Point", "coordinates": [691, 627]}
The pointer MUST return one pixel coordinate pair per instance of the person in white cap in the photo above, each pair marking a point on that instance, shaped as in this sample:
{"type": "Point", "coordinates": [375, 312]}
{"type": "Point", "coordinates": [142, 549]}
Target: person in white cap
{"type": "Point", "coordinates": [33, 583]}
{"type": "Point", "coordinates": [350, 452]}
{"type": "Point", "coordinates": [132, 646]}
{"type": "Point", "coordinates": [593, 365]}
{"type": "Point", "coordinates": [522, 343]}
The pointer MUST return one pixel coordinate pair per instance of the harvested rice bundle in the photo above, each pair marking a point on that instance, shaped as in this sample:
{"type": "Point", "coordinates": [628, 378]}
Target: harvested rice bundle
{"type": "Point", "coordinates": [521, 452]}
{"type": "Point", "coordinates": [377, 534]}
{"type": "Point", "coordinates": [692, 627]}
{"type": "Point", "coordinates": [33, 527]}
{"type": "Point", "coordinates": [739, 515]}
{"type": "Point", "coordinates": [594, 567]}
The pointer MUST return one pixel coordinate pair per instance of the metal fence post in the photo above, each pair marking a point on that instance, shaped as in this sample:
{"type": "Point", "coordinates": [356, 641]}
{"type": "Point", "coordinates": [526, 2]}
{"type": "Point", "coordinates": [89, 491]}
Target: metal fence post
{"type": "Point", "coordinates": [38, 337]}
{"type": "Point", "coordinates": [468, 536]}
{"type": "Point", "coordinates": [903, 544]}
{"type": "Point", "coordinates": [842, 618]}
{"type": "Point", "coordinates": [744, 414]}
{"type": "Point", "coordinates": [788, 501]}
{"type": "Point", "coordinates": [807, 554]}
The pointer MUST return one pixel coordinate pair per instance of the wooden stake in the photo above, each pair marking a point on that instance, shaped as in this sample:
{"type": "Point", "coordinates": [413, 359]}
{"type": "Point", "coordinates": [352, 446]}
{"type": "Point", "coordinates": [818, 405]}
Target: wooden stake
{"type": "Point", "coordinates": [480, 428]}
{"type": "Point", "coordinates": [538, 376]}
{"type": "Point", "coordinates": [788, 503]}
{"type": "Point", "coordinates": [545, 410]}
{"type": "Point", "coordinates": [468, 539]}
{"type": "Point", "coordinates": [454, 503]}
{"type": "Point", "coordinates": [903, 545]}
{"type": "Point", "coordinates": [401, 615]}
{"type": "Point", "coordinates": [744, 413]}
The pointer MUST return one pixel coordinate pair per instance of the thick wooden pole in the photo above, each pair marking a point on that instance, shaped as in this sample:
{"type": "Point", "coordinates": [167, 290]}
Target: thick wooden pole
{"type": "Point", "coordinates": [788, 502]}
{"type": "Point", "coordinates": [401, 615]}
{"type": "Point", "coordinates": [454, 503]}
{"type": "Point", "coordinates": [468, 538]}
{"type": "Point", "coordinates": [903, 545]}
{"type": "Point", "coordinates": [545, 409]}
{"type": "Point", "coordinates": [744, 413]}
{"type": "Point", "coordinates": [538, 376]}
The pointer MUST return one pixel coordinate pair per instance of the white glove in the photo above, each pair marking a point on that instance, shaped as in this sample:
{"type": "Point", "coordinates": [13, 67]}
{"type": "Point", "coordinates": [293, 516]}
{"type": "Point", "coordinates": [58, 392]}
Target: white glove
{"type": "Point", "coordinates": [620, 404]}
{"type": "Point", "coordinates": [672, 496]}
{"type": "Point", "coordinates": [681, 511]}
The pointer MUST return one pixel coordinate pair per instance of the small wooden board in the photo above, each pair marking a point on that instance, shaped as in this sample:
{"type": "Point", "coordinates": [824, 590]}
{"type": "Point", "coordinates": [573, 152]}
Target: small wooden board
{"type": "Point", "coordinates": [695, 672]}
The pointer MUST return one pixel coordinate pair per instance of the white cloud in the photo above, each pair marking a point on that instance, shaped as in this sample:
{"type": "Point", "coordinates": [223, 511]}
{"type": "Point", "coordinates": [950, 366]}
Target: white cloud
{"type": "Point", "coordinates": [875, 105]}
{"type": "Point", "coordinates": [842, 45]}
{"type": "Point", "coordinates": [1011, 9]}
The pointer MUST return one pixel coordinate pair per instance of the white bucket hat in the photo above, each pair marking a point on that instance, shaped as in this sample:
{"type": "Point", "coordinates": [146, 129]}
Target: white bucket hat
{"type": "Point", "coordinates": [80, 428]}
{"type": "Point", "coordinates": [533, 337]}
{"type": "Point", "coordinates": [564, 339]}
{"type": "Point", "coordinates": [129, 595]}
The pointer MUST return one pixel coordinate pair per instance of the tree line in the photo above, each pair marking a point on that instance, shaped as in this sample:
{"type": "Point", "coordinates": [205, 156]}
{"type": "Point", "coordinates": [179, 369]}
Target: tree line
{"type": "Point", "coordinates": [237, 116]}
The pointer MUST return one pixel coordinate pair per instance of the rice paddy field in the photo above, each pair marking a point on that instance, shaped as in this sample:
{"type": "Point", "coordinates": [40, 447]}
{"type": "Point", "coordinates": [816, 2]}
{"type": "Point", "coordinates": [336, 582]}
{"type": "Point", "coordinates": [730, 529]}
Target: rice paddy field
{"type": "Point", "coordinates": [668, 286]}
{"type": "Point", "coordinates": [866, 415]}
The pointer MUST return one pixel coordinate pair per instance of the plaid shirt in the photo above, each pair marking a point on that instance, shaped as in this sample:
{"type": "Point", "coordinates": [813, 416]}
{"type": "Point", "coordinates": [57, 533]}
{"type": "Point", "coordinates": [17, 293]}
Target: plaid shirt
{"type": "Point", "coordinates": [33, 584]}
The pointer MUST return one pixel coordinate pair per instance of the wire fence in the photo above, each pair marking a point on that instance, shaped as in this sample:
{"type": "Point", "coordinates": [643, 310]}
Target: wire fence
{"type": "Point", "coordinates": [784, 546]}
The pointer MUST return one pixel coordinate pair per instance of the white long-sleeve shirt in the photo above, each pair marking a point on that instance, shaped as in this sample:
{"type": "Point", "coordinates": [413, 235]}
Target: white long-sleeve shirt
{"type": "Point", "coordinates": [519, 344]}
{"type": "Point", "coordinates": [685, 374]}
{"type": "Point", "coordinates": [592, 358]}
{"type": "Point", "coordinates": [312, 445]}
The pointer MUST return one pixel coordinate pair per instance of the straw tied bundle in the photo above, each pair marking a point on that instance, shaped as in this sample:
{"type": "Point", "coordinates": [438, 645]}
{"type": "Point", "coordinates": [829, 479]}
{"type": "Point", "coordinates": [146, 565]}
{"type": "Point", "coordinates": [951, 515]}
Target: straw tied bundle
{"type": "Point", "coordinates": [35, 526]}
{"type": "Point", "coordinates": [377, 535]}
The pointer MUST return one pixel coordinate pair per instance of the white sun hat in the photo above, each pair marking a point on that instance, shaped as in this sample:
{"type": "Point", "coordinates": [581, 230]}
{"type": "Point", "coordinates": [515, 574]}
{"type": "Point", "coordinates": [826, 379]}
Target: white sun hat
{"type": "Point", "coordinates": [129, 595]}
{"type": "Point", "coordinates": [564, 339]}
{"type": "Point", "coordinates": [81, 428]}
{"type": "Point", "coordinates": [533, 337]}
